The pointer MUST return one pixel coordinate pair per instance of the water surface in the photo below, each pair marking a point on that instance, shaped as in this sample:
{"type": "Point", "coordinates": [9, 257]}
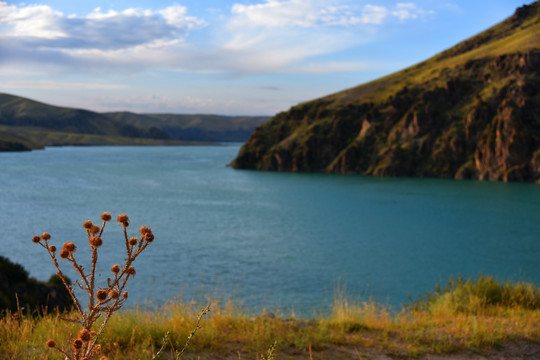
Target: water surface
{"type": "Point", "coordinates": [266, 239]}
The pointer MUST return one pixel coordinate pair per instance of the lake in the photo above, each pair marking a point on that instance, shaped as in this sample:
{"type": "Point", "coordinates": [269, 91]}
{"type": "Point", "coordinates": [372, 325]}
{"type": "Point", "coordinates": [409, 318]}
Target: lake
{"type": "Point", "coordinates": [266, 240]}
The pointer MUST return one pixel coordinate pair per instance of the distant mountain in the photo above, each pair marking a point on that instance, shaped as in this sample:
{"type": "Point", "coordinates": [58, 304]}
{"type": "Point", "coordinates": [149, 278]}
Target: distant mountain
{"type": "Point", "coordinates": [472, 111]}
{"type": "Point", "coordinates": [197, 127]}
{"type": "Point", "coordinates": [18, 111]}
{"type": "Point", "coordinates": [27, 124]}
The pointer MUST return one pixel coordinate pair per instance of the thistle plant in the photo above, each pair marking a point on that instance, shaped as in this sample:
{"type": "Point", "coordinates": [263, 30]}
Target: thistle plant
{"type": "Point", "coordinates": [103, 301]}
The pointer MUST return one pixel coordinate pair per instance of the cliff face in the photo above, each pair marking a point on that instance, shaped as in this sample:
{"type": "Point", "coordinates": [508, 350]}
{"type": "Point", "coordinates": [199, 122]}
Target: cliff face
{"type": "Point", "coordinates": [471, 112]}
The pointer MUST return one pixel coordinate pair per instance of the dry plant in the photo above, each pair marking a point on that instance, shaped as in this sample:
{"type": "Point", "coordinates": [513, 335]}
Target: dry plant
{"type": "Point", "coordinates": [102, 301]}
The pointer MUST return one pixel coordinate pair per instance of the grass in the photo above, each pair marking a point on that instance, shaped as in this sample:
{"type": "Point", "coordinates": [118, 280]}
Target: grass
{"type": "Point", "coordinates": [38, 137]}
{"type": "Point", "coordinates": [464, 316]}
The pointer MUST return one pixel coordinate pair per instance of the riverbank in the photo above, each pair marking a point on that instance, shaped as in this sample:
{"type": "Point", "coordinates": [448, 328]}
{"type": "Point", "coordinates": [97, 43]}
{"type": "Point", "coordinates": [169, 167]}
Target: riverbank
{"type": "Point", "coordinates": [465, 320]}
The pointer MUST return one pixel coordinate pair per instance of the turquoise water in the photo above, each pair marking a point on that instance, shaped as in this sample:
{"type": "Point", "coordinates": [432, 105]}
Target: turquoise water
{"type": "Point", "coordinates": [273, 240]}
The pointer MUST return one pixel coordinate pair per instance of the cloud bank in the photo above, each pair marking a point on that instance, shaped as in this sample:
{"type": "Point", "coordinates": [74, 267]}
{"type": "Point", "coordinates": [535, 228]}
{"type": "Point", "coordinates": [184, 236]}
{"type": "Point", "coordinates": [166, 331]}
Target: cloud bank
{"type": "Point", "coordinates": [269, 36]}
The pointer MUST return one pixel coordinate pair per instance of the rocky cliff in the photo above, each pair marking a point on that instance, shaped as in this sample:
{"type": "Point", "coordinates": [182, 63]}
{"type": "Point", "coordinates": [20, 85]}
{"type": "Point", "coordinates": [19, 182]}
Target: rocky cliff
{"type": "Point", "coordinates": [472, 111]}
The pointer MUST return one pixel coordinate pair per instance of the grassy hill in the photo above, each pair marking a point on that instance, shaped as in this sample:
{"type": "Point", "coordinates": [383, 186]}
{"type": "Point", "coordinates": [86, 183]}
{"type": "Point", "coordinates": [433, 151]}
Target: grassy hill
{"type": "Point", "coordinates": [468, 112]}
{"type": "Point", "coordinates": [27, 124]}
{"type": "Point", "coordinates": [196, 127]}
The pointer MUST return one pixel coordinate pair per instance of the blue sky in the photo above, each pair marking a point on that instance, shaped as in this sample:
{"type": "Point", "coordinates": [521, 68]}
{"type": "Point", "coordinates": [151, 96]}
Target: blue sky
{"type": "Point", "coordinates": [234, 57]}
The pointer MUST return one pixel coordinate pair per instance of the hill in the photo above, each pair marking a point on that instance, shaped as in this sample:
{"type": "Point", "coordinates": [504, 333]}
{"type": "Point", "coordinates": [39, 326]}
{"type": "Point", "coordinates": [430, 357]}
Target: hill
{"type": "Point", "coordinates": [472, 111]}
{"type": "Point", "coordinates": [197, 127]}
{"type": "Point", "coordinates": [27, 124]}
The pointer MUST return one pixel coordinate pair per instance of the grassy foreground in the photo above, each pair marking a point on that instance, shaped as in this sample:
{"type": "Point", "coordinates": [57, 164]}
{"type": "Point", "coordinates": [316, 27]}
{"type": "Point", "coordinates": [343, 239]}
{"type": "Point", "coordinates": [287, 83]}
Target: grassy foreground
{"type": "Point", "coordinates": [480, 317]}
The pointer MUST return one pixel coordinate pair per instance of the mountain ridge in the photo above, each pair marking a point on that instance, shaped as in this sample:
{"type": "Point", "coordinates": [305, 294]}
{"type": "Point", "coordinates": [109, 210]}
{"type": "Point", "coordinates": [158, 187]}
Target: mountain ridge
{"type": "Point", "coordinates": [471, 111]}
{"type": "Point", "coordinates": [26, 124]}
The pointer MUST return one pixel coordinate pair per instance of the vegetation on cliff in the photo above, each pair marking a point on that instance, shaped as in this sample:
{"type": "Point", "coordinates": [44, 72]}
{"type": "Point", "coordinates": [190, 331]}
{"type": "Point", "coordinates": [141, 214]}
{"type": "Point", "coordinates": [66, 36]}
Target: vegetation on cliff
{"type": "Point", "coordinates": [472, 111]}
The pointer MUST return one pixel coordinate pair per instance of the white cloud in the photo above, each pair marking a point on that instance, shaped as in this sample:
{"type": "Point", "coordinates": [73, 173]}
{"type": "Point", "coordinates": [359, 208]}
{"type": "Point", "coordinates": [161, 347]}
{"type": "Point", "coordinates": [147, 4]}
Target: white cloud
{"type": "Point", "coordinates": [373, 14]}
{"type": "Point", "coordinates": [108, 30]}
{"type": "Point", "coordinates": [406, 11]}
{"type": "Point", "coordinates": [34, 20]}
{"type": "Point", "coordinates": [305, 13]}
{"type": "Point", "coordinates": [58, 85]}
{"type": "Point", "coordinates": [277, 36]}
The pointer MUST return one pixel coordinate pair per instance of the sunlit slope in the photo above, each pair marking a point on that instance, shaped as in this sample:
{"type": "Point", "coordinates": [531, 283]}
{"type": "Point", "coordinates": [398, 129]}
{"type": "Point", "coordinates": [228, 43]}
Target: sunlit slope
{"type": "Point", "coordinates": [471, 111]}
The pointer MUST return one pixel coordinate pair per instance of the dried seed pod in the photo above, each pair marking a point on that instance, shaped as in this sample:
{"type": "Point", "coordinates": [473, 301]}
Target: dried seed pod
{"type": "Point", "coordinates": [96, 241]}
{"type": "Point", "coordinates": [70, 246]}
{"type": "Point", "coordinates": [144, 230]}
{"type": "Point", "coordinates": [114, 294]}
{"type": "Point", "coordinates": [115, 268]}
{"type": "Point", "coordinates": [88, 224]}
{"type": "Point", "coordinates": [51, 343]}
{"type": "Point", "coordinates": [149, 237]}
{"type": "Point", "coordinates": [77, 344]}
{"type": "Point", "coordinates": [106, 216]}
{"type": "Point", "coordinates": [101, 295]}
{"type": "Point", "coordinates": [45, 236]}
{"type": "Point", "coordinates": [133, 241]}
{"type": "Point", "coordinates": [84, 335]}
{"type": "Point", "coordinates": [36, 239]}
{"type": "Point", "coordinates": [123, 219]}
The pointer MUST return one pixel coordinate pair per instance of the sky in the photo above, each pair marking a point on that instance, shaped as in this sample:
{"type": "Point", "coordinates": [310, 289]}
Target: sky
{"type": "Point", "coordinates": [230, 57]}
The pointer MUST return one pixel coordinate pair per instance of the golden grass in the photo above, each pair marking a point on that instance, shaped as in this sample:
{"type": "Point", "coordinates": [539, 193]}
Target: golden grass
{"type": "Point", "coordinates": [230, 333]}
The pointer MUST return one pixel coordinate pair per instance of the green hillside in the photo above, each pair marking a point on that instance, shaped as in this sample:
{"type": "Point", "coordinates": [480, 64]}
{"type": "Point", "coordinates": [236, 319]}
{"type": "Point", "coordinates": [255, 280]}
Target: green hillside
{"type": "Point", "coordinates": [196, 127]}
{"type": "Point", "coordinates": [468, 112]}
{"type": "Point", "coordinates": [27, 124]}
{"type": "Point", "coordinates": [17, 111]}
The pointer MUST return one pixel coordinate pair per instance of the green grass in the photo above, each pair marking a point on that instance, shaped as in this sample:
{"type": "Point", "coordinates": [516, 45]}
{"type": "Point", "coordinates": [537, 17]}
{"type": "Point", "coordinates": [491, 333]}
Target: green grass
{"type": "Point", "coordinates": [463, 316]}
{"type": "Point", "coordinates": [499, 40]}
{"type": "Point", "coordinates": [40, 137]}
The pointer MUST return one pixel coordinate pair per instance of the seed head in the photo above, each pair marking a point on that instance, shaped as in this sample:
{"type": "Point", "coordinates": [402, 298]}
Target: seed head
{"type": "Point", "coordinates": [144, 230]}
{"type": "Point", "coordinates": [149, 237]}
{"type": "Point", "coordinates": [123, 219]}
{"type": "Point", "coordinates": [106, 216]}
{"type": "Point", "coordinates": [133, 241]}
{"type": "Point", "coordinates": [95, 229]}
{"type": "Point", "coordinates": [70, 246]}
{"type": "Point", "coordinates": [101, 294]}
{"type": "Point", "coordinates": [115, 294]}
{"type": "Point", "coordinates": [125, 295]}
{"type": "Point", "coordinates": [52, 248]}
{"type": "Point", "coordinates": [51, 343]}
{"type": "Point", "coordinates": [45, 236]}
{"type": "Point", "coordinates": [64, 254]}
{"type": "Point", "coordinates": [77, 344]}
{"type": "Point", "coordinates": [84, 335]}
{"type": "Point", "coordinates": [131, 270]}
{"type": "Point", "coordinates": [115, 268]}
{"type": "Point", "coordinates": [36, 239]}
{"type": "Point", "coordinates": [96, 241]}
{"type": "Point", "coordinates": [87, 224]}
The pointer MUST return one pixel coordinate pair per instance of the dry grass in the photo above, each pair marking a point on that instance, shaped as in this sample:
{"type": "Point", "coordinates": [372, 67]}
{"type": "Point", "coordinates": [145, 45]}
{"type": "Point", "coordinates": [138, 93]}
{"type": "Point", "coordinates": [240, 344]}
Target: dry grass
{"type": "Point", "coordinates": [352, 329]}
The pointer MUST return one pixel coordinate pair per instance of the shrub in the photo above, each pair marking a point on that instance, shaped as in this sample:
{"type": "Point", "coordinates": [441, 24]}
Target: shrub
{"type": "Point", "coordinates": [103, 300]}
{"type": "Point", "coordinates": [480, 295]}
